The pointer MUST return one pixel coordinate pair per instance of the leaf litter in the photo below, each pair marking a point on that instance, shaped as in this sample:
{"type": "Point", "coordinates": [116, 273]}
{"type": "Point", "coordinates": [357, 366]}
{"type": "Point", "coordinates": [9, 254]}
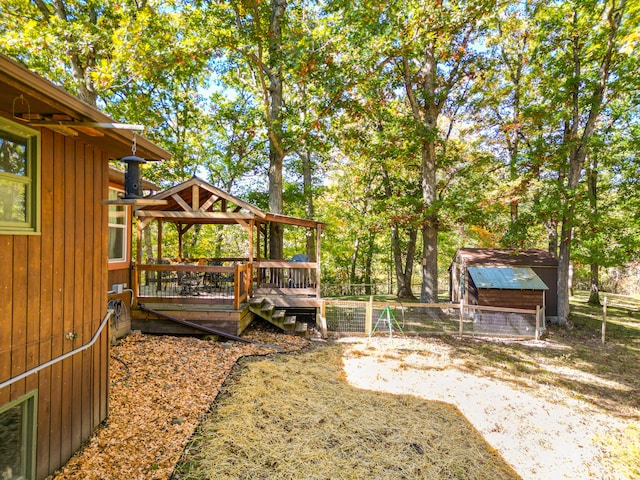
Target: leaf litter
{"type": "Point", "coordinates": [161, 387]}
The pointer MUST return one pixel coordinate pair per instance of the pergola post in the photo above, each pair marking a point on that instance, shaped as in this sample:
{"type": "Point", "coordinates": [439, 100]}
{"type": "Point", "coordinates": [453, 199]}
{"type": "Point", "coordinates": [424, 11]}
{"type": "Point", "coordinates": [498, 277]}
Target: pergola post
{"type": "Point", "coordinates": [159, 258]}
{"type": "Point", "coordinates": [318, 236]}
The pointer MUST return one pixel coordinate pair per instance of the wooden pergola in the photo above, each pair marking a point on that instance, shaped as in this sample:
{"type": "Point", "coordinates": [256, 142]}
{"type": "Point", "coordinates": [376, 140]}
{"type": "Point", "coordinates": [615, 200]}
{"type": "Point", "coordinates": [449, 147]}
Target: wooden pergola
{"type": "Point", "coordinates": [196, 202]}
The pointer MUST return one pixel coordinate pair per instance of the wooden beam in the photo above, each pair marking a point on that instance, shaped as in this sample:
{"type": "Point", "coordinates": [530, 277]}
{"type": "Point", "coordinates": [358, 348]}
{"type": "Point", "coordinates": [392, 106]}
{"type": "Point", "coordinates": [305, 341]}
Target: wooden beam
{"type": "Point", "coordinates": [209, 203]}
{"type": "Point", "coordinates": [92, 132]}
{"type": "Point", "coordinates": [180, 201]}
{"type": "Point", "coordinates": [244, 225]}
{"type": "Point", "coordinates": [194, 215]}
{"type": "Point", "coordinates": [195, 198]}
{"type": "Point", "coordinates": [66, 131]}
{"type": "Point", "coordinates": [144, 222]}
{"type": "Point", "coordinates": [184, 228]}
{"type": "Point", "coordinates": [87, 125]}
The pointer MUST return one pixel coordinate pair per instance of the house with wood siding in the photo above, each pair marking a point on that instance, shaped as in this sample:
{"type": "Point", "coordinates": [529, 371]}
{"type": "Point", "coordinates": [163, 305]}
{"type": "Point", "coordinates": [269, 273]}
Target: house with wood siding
{"type": "Point", "coordinates": [54, 229]}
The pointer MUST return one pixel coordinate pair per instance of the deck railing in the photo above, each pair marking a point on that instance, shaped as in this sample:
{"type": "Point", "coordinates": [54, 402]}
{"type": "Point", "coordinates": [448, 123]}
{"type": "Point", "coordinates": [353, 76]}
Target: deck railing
{"type": "Point", "coordinates": [193, 283]}
{"type": "Point", "coordinates": [177, 282]}
{"type": "Point", "coordinates": [286, 278]}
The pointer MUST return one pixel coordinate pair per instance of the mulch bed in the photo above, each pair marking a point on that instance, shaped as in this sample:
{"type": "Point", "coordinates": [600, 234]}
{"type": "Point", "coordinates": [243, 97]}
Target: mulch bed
{"type": "Point", "coordinates": [161, 388]}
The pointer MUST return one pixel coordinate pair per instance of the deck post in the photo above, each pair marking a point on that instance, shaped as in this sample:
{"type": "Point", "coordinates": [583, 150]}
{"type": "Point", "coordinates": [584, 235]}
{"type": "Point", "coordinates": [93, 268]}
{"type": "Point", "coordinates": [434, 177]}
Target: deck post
{"type": "Point", "coordinates": [318, 236]}
{"type": "Point", "coordinates": [323, 318]}
{"type": "Point", "coordinates": [236, 287]}
{"type": "Point", "coordinates": [251, 227]}
{"type": "Point", "coordinates": [135, 273]}
{"type": "Point", "coordinates": [538, 315]}
{"type": "Point", "coordinates": [159, 274]}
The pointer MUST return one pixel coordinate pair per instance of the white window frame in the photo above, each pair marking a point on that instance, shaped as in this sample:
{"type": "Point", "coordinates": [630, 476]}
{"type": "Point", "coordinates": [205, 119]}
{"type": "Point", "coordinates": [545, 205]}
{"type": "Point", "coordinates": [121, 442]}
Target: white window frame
{"type": "Point", "coordinates": [121, 226]}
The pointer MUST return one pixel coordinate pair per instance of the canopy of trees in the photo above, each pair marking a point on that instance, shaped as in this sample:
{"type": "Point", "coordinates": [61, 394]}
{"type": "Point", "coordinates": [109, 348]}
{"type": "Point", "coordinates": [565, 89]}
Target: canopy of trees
{"type": "Point", "coordinates": [411, 128]}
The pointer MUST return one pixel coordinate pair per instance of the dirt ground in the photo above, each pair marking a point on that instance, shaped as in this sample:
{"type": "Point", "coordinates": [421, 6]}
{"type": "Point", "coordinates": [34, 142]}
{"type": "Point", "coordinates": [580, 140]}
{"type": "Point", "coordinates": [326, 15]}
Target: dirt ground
{"type": "Point", "coordinates": [162, 387]}
{"type": "Point", "coordinates": [543, 432]}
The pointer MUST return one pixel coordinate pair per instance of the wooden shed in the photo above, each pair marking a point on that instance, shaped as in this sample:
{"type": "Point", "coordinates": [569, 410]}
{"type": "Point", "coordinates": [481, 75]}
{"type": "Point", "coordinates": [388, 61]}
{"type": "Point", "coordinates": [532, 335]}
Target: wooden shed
{"type": "Point", "coordinates": [505, 278]}
{"type": "Point", "coordinates": [54, 340]}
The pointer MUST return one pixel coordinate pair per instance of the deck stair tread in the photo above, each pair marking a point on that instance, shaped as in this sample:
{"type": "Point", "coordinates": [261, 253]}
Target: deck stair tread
{"type": "Point", "coordinates": [266, 309]}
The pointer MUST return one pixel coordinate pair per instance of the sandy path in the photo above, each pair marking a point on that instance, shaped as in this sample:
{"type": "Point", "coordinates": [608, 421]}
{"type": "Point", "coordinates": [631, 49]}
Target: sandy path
{"type": "Point", "coordinates": [541, 439]}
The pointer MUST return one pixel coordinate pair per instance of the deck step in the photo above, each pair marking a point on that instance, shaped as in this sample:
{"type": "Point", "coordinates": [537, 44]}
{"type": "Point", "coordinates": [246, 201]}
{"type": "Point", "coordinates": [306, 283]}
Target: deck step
{"type": "Point", "coordinates": [265, 309]}
{"type": "Point", "coordinates": [257, 303]}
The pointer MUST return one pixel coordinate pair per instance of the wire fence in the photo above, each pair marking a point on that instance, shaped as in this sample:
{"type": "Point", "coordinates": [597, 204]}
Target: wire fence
{"type": "Point", "coordinates": [370, 318]}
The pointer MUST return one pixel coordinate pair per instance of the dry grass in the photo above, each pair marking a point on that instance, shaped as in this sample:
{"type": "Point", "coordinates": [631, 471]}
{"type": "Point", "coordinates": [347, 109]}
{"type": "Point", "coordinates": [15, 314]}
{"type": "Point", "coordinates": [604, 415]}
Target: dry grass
{"type": "Point", "coordinates": [296, 417]}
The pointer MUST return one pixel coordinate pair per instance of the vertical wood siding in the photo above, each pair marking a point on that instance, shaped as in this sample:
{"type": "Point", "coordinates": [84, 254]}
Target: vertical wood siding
{"type": "Point", "coordinates": [56, 283]}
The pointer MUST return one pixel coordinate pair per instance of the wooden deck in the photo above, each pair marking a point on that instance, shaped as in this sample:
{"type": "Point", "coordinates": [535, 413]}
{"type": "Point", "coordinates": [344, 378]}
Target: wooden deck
{"type": "Point", "coordinates": [218, 297]}
{"type": "Point", "coordinates": [223, 318]}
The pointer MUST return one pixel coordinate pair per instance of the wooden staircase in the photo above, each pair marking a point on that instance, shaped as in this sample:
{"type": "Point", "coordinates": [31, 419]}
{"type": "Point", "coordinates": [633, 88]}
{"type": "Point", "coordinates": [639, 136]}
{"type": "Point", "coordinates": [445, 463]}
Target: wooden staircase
{"type": "Point", "coordinates": [264, 308]}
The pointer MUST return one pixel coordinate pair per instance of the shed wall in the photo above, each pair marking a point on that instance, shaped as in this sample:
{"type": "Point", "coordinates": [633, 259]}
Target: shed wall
{"type": "Point", "coordinates": [525, 299]}
{"type": "Point", "coordinates": [54, 283]}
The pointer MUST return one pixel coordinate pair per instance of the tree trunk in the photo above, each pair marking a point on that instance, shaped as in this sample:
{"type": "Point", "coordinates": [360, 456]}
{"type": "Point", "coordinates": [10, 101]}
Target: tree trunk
{"type": "Point", "coordinates": [308, 200]}
{"type": "Point", "coordinates": [354, 261]}
{"type": "Point", "coordinates": [563, 270]}
{"type": "Point", "coordinates": [404, 272]}
{"type": "Point", "coordinates": [551, 225]}
{"type": "Point", "coordinates": [594, 283]}
{"type": "Point", "coordinates": [276, 152]}
{"type": "Point", "coordinates": [429, 290]}
{"type": "Point", "coordinates": [578, 149]}
{"type": "Point", "coordinates": [592, 187]}
{"type": "Point", "coordinates": [368, 262]}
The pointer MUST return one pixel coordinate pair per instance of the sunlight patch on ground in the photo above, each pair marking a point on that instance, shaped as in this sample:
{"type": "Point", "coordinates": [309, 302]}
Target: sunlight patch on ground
{"type": "Point", "coordinates": [585, 377]}
{"type": "Point", "coordinates": [539, 438]}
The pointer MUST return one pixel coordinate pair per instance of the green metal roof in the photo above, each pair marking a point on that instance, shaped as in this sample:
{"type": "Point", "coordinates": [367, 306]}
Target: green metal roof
{"type": "Point", "coordinates": [511, 278]}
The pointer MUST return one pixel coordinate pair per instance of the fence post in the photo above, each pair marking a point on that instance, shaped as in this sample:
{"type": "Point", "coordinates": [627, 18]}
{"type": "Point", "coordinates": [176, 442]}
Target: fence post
{"type": "Point", "coordinates": [368, 317]}
{"type": "Point", "coordinates": [538, 322]}
{"type": "Point", "coordinates": [604, 319]}
{"type": "Point", "coordinates": [323, 318]}
{"type": "Point", "coordinates": [461, 317]}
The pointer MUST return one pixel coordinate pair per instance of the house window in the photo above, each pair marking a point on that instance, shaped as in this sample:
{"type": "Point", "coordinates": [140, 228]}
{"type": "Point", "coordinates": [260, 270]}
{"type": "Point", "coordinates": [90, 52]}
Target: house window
{"type": "Point", "coordinates": [19, 178]}
{"type": "Point", "coordinates": [18, 434]}
{"type": "Point", "coordinates": [117, 229]}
